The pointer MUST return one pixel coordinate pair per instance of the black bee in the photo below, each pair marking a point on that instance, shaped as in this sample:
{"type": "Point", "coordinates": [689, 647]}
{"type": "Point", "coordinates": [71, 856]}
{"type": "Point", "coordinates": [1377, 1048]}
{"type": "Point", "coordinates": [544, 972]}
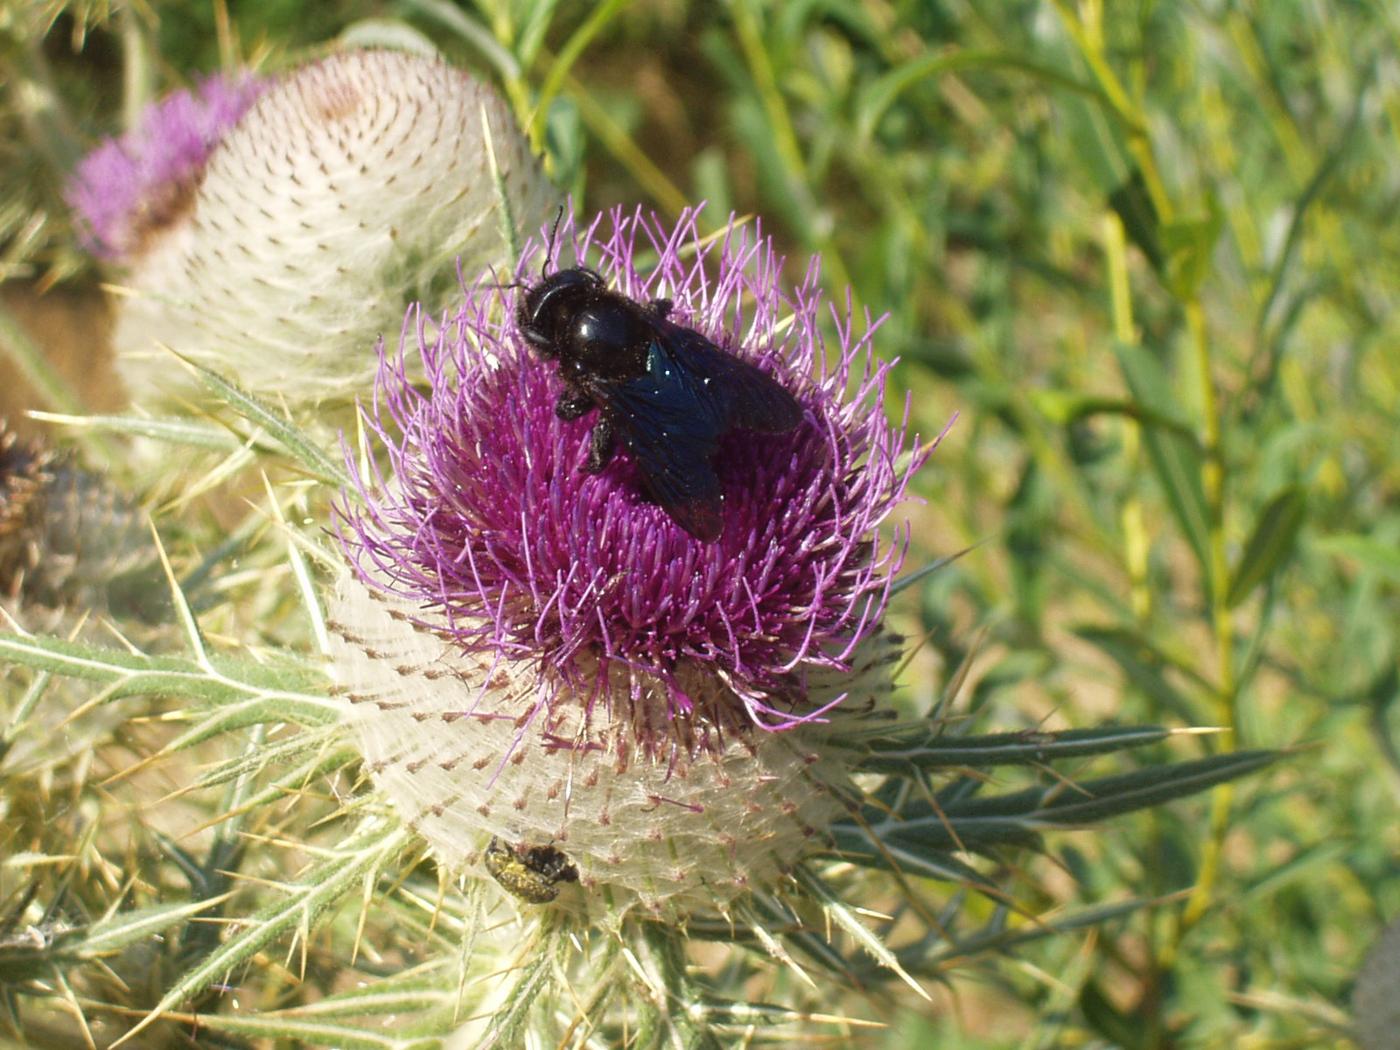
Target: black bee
{"type": "Point", "coordinates": [532, 873]}
{"type": "Point", "coordinates": [664, 390]}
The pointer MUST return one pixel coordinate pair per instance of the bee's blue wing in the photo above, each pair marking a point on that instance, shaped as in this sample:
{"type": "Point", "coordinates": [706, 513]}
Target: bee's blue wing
{"type": "Point", "coordinates": [672, 429]}
{"type": "Point", "coordinates": [672, 419]}
{"type": "Point", "coordinates": [744, 396]}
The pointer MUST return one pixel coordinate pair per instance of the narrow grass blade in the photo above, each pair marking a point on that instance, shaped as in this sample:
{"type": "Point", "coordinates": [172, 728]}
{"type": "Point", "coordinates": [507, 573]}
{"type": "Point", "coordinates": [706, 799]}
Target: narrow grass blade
{"type": "Point", "coordinates": [171, 431]}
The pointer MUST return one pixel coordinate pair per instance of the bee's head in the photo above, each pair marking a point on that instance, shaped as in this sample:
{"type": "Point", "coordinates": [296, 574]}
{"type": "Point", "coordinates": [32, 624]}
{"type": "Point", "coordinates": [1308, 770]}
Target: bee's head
{"type": "Point", "coordinates": [548, 309]}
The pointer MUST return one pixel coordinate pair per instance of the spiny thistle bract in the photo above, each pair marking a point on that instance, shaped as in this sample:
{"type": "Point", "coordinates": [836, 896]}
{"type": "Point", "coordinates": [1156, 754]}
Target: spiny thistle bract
{"type": "Point", "coordinates": [538, 654]}
{"type": "Point", "coordinates": [348, 188]}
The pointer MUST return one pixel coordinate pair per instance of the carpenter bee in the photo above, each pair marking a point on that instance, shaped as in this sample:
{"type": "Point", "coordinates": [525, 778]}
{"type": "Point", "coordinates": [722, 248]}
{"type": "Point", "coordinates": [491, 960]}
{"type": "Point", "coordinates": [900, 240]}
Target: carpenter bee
{"type": "Point", "coordinates": [532, 873]}
{"type": "Point", "coordinates": [662, 390]}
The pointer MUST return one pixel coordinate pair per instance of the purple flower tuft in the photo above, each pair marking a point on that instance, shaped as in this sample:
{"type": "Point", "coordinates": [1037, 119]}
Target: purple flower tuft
{"type": "Point", "coordinates": [509, 549]}
{"type": "Point", "coordinates": [130, 186]}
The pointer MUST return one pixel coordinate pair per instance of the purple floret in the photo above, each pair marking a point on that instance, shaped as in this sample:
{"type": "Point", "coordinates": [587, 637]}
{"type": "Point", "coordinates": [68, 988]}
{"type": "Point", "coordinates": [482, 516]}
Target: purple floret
{"type": "Point", "coordinates": [490, 526]}
{"type": "Point", "coordinates": [136, 183]}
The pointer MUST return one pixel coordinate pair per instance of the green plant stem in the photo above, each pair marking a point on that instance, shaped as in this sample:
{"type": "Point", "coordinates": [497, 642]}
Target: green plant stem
{"type": "Point", "coordinates": [1088, 39]}
{"type": "Point", "coordinates": [627, 153]}
{"type": "Point", "coordinates": [138, 77]}
{"type": "Point", "coordinates": [1136, 546]}
{"type": "Point", "coordinates": [564, 61]}
{"type": "Point", "coordinates": [756, 55]}
{"type": "Point", "coordinates": [1227, 713]}
{"type": "Point", "coordinates": [1136, 541]}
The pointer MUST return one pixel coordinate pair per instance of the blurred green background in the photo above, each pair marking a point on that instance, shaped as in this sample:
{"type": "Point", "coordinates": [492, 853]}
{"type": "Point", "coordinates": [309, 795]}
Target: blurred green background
{"type": "Point", "coordinates": [1147, 252]}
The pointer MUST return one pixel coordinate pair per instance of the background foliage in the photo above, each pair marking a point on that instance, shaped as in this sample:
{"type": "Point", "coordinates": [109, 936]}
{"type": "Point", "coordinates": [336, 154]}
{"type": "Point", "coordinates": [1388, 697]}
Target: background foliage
{"type": "Point", "coordinates": [1147, 252]}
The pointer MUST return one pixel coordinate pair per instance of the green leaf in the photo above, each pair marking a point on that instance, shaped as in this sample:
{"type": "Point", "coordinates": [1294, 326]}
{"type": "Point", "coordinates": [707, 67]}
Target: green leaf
{"type": "Point", "coordinates": [1028, 747]}
{"type": "Point", "coordinates": [912, 577]}
{"type": "Point", "coordinates": [1064, 407]}
{"type": "Point", "coordinates": [298, 909]}
{"type": "Point", "coordinates": [877, 96]}
{"type": "Point", "coordinates": [280, 429]}
{"type": "Point", "coordinates": [307, 749]}
{"type": "Point", "coordinates": [217, 682]}
{"type": "Point", "coordinates": [867, 846]}
{"type": "Point", "coordinates": [25, 956]}
{"type": "Point", "coordinates": [1189, 245]}
{"type": "Point", "coordinates": [425, 1032]}
{"type": "Point", "coordinates": [505, 214]}
{"type": "Point", "coordinates": [473, 32]}
{"type": "Point", "coordinates": [115, 933]}
{"type": "Point", "coordinates": [840, 913]}
{"type": "Point", "coordinates": [598, 18]}
{"type": "Point", "coordinates": [996, 936]}
{"type": "Point", "coordinates": [1076, 804]}
{"type": "Point", "coordinates": [295, 780]}
{"type": "Point", "coordinates": [1270, 544]}
{"type": "Point", "coordinates": [777, 914]}
{"type": "Point", "coordinates": [425, 1004]}
{"type": "Point", "coordinates": [1176, 461]}
{"type": "Point", "coordinates": [928, 836]}
{"type": "Point", "coordinates": [1133, 205]}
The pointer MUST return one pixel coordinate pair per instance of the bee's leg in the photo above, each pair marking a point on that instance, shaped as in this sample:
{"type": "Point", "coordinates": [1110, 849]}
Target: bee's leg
{"type": "Point", "coordinates": [572, 404]}
{"type": "Point", "coordinates": [602, 446]}
{"type": "Point", "coordinates": [661, 308]}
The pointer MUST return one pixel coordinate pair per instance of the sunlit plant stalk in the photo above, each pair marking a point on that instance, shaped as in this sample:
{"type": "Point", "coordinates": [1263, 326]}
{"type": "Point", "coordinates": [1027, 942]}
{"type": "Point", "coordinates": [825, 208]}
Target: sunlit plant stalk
{"type": "Point", "coordinates": [1087, 37]}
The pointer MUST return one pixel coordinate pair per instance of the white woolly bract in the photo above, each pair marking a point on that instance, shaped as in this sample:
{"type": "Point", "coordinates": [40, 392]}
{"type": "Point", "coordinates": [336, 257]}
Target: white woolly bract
{"type": "Point", "coordinates": [348, 190]}
{"type": "Point", "coordinates": [461, 747]}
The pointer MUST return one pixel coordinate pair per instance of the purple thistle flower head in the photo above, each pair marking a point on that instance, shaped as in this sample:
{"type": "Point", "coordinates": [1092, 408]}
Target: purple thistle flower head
{"type": "Point", "coordinates": [134, 185]}
{"type": "Point", "coordinates": [491, 530]}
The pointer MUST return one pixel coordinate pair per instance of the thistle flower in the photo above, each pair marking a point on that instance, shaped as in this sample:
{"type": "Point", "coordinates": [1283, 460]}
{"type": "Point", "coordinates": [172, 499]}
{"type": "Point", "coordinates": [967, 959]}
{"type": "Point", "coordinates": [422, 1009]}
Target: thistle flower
{"type": "Point", "coordinates": [129, 189]}
{"type": "Point", "coordinates": [346, 190]}
{"type": "Point", "coordinates": [539, 655]}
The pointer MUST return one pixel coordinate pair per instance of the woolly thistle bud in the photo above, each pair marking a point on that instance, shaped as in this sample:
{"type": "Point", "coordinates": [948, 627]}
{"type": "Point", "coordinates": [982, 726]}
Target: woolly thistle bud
{"type": "Point", "coordinates": [537, 655]}
{"type": "Point", "coordinates": [348, 188]}
{"type": "Point", "coordinates": [67, 539]}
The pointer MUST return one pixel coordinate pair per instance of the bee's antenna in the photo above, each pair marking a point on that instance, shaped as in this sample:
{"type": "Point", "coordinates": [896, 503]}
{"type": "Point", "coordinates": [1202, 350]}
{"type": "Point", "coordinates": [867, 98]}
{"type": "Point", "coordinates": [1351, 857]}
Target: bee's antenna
{"type": "Point", "coordinates": [500, 285]}
{"type": "Point", "coordinates": [552, 233]}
